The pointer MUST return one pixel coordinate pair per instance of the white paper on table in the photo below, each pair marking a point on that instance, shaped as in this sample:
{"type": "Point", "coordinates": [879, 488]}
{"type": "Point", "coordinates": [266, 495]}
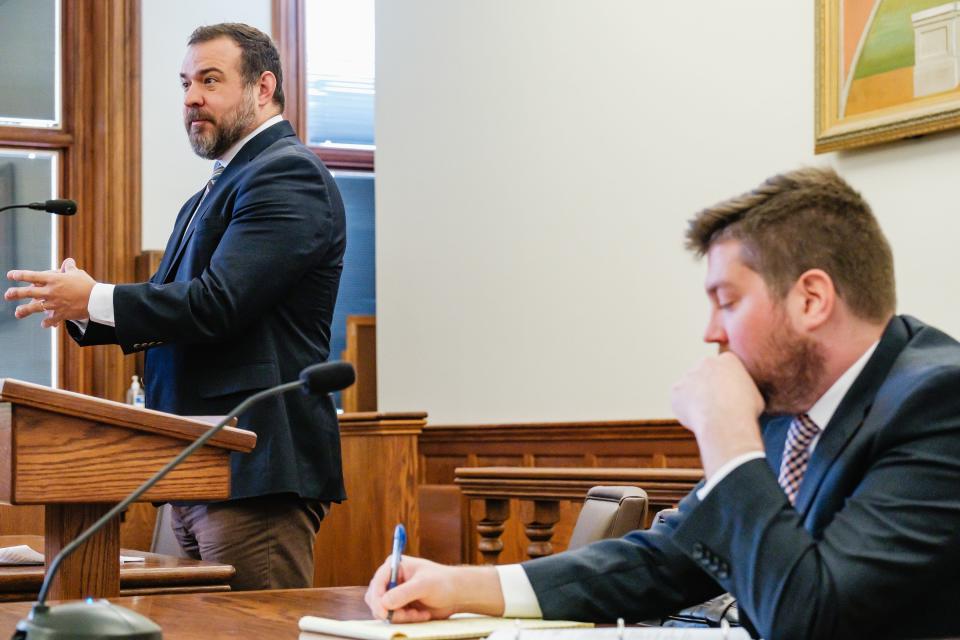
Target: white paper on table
{"type": "Point", "coordinates": [19, 555]}
{"type": "Point", "coordinates": [23, 555]}
{"type": "Point", "coordinates": [629, 633]}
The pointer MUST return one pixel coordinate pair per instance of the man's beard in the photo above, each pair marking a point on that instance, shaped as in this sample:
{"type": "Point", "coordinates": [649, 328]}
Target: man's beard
{"type": "Point", "coordinates": [231, 128]}
{"type": "Point", "coordinates": [789, 376]}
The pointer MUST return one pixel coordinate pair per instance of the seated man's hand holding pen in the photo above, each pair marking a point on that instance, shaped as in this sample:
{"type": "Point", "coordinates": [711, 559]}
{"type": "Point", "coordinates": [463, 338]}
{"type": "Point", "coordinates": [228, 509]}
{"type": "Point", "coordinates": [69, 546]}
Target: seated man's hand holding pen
{"type": "Point", "coordinates": [430, 591]}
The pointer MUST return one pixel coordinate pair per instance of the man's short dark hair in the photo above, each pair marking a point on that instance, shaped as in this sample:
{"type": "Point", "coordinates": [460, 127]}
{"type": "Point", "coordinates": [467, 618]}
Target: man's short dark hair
{"type": "Point", "coordinates": [257, 52]}
{"type": "Point", "coordinates": [805, 219]}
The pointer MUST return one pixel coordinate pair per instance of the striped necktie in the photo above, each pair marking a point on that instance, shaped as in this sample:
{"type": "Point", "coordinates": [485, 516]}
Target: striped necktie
{"type": "Point", "coordinates": [796, 454]}
{"type": "Point", "coordinates": [217, 170]}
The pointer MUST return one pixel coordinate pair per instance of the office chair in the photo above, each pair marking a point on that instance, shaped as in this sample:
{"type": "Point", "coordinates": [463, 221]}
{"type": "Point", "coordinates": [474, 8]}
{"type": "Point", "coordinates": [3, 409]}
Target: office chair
{"type": "Point", "coordinates": [609, 512]}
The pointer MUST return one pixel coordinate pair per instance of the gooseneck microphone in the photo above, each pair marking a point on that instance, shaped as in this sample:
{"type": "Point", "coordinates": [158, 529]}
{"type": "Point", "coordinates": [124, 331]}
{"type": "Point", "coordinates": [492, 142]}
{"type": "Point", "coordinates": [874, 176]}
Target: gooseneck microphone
{"type": "Point", "coordinates": [59, 207]}
{"type": "Point", "coordinates": [100, 618]}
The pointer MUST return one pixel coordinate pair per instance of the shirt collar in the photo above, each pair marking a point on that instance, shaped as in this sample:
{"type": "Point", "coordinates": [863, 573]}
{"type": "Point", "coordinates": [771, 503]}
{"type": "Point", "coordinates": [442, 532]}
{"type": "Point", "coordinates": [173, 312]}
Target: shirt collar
{"type": "Point", "coordinates": [823, 409]}
{"type": "Point", "coordinates": [235, 149]}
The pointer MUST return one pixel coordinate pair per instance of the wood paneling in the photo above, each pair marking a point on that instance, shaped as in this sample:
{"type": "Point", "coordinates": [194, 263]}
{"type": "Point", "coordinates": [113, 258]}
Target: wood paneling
{"type": "Point", "coordinates": [380, 472]}
{"type": "Point", "coordinates": [647, 443]}
{"type": "Point", "coordinates": [101, 169]}
{"type": "Point", "coordinates": [361, 352]}
{"type": "Point", "coordinates": [624, 443]}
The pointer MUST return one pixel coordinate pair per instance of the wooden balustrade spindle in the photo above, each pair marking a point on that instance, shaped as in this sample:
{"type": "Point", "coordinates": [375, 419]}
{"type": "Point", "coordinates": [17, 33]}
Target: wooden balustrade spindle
{"type": "Point", "coordinates": [495, 513]}
{"type": "Point", "coordinates": [539, 518]}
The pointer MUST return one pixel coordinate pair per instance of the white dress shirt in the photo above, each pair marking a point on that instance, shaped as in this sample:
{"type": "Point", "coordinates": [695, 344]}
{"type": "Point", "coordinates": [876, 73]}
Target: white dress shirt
{"type": "Point", "coordinates": [519, 598]}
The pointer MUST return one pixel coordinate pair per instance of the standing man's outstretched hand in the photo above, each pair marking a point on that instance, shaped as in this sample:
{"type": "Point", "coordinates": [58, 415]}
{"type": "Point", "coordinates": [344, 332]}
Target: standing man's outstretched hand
{"type": "Point", "coordinates": [60, 295]}
{"type": "Point", "coordinates": [430, 591]}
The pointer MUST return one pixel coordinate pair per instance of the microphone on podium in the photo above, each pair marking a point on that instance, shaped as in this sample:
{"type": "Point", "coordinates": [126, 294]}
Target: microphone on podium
{"type": "Point", "coordinates": [101, 619]}
{"type": "Point", "coordinates": [58, 207]}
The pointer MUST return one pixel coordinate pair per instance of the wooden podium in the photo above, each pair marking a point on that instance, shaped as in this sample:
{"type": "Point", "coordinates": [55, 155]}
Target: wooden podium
{"type": "Point", "coordinates": [78, 456]}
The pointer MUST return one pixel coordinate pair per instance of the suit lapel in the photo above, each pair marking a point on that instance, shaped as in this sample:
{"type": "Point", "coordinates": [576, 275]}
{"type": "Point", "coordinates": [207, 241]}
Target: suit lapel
{"type": "Point", "coordinates": [172, 244]}
{"type": "Point", "coordinates": [248, 152]}
{"type": "Point", "coordinates": [852, 411]}
{"type": "Point", "coordinates": [774, 439]}
{"type": "Point", "coordinates": [182, 245]}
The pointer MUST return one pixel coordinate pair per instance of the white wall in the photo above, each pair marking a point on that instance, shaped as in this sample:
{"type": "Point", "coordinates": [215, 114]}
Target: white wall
{"type": "Point", "coordinates": [171, 171]}
{"type": "Point", "coordinates": [536, 163]}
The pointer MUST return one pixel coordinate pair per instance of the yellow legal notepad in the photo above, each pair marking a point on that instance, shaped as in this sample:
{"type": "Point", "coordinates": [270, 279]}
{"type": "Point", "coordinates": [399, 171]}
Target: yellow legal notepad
{"type": "Point", "coordinates": [454, 628]}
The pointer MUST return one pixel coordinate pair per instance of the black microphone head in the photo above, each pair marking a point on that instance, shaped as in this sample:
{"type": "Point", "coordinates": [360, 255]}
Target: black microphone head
{"type": "Point", "coordinates": [327, 376]}
{"type": "Point", "coordinates": [61, 207]}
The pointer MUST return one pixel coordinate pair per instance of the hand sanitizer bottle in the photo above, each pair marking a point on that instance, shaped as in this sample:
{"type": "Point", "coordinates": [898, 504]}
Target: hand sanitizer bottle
{"type": "Point", "coordinates": [135, 394]}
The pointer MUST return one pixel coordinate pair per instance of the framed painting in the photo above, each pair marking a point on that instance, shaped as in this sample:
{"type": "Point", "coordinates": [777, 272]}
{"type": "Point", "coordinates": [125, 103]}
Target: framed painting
{"type": "Point", "coordinates": [885, 70]}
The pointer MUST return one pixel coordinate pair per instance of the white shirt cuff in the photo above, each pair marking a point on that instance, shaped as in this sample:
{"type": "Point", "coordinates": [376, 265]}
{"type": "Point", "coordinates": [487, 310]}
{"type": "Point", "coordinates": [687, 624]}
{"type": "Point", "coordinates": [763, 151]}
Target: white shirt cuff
{"type": "Point", "coordinates": [519, 599]}
{"type": "Point", "coordinates": [725, 470]}
{"type": "Point", "coordinates": [100, 305]}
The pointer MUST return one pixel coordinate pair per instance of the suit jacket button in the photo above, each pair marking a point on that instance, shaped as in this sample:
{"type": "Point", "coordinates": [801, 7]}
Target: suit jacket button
{"type": "Point", "coordinates": [723, 574]}
{"type": "Point", "coordinates": [697, 551]}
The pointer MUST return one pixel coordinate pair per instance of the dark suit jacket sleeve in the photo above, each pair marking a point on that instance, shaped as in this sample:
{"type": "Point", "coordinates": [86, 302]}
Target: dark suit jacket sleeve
{"type": "Point", "coordinates": [281, 221]}
{"type": "Point", "coordinates": [641, 576]}
{"type": "Point", "coordinates": [894, 540]}
{"type": "Point", "coordinates": [94, 334]}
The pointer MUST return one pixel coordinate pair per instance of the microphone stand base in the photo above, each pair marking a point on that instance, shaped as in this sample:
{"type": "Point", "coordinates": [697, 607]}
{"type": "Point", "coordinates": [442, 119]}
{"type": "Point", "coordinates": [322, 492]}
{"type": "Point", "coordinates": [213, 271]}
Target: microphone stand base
{"type": "Point", "coordinates": [85, 621]}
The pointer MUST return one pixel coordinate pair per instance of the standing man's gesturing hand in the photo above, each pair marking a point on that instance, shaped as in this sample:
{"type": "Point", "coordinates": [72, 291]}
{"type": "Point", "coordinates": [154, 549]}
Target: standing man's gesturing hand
{"type": "Point", "coordinates": [60, 295]}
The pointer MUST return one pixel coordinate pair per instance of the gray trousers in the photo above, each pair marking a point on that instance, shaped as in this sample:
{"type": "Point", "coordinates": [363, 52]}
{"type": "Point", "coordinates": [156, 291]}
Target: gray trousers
{"type": "Point", "coordinates": [268, 539]}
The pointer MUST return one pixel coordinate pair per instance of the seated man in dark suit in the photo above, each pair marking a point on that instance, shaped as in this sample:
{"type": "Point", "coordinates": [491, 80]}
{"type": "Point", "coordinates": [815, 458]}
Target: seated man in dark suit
{"type": "Point", "coordinates": [829, 430]}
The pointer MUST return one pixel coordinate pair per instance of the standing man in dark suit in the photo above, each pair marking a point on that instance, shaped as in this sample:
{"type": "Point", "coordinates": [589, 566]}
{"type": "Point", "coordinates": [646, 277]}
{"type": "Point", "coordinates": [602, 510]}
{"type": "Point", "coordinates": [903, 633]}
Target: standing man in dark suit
{"type": "Point", "coordinates": [242, 301]}
{"type": "Point", "coordinates": [840, 516]}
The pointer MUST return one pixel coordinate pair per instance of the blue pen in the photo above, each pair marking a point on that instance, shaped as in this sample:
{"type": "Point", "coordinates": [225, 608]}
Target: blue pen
{"type": "Point", "coordinates": [399, 542]}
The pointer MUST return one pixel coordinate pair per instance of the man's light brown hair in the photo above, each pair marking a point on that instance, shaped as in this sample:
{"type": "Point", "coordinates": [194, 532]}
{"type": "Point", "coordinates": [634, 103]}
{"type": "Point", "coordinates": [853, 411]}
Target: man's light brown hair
{"type": "Point", "coordinates": [806, 219]}
{"type": "Point", "coordinates": [257, 52]}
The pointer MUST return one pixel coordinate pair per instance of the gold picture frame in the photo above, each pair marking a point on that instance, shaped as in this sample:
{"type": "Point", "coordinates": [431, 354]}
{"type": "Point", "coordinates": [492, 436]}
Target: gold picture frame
{"type": "Point", "coordinates": [866, 92]}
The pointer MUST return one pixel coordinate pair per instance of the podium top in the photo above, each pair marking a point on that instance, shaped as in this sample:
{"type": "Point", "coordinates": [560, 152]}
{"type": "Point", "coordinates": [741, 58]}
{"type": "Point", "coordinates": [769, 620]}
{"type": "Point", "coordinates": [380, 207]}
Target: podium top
{"type": "Point", "coordinates": [69, 403]}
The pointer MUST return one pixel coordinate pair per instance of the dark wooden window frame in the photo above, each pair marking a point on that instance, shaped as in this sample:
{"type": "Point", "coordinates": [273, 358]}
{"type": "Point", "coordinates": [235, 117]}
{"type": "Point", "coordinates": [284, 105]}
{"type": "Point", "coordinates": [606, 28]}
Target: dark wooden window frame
{"type": "Point", "coordinates": [99, 147]}
{"type": "Point", "coordinates": [288, 33]}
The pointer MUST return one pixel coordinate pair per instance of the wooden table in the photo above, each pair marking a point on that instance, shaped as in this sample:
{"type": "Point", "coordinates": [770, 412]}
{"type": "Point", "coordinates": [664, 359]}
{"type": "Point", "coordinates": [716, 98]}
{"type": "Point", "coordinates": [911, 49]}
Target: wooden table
{"type": "Point", "coordinates": [156, 574]}
{"type": "Point", "coordinates": [247, 614]}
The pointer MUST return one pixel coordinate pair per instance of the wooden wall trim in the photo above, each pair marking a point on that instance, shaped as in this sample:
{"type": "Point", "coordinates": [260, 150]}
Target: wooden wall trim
{"type": "Point", "coordinates": [289, 18]}
{"type": "Point", "coordinates": [288, 34]}
{"type": "Point", "coordinates": [101, 169]}
{"type": "Point", "coordinates": [34, 138]}
{"type": "Point", "coordinates": [371, 423]}
{"type": "Point", "coordinates": [658, 429]}
{"type": "Point", "coordinates": [99, 147]}
{"type": "Point", "coordinates": [572, 483]}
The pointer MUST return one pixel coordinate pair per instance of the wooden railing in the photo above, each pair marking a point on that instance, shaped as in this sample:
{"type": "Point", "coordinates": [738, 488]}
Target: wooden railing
{"type": "Point", "coordinates": [541, 490]}
{"type": "Point", "coordinates": [446, 514]}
